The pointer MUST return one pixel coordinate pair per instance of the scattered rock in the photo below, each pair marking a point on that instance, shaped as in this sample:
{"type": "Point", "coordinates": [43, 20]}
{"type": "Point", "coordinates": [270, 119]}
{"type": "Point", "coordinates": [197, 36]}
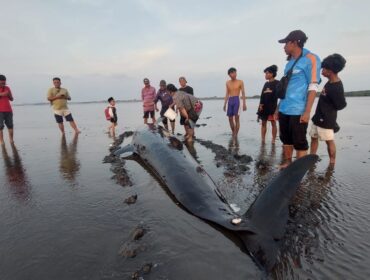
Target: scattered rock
{"type": "Point", "coordinates": [234, 164]}
{"type": "Point", "coordinates": [131, 199]}
{"type": "Point", "coordinates": [145, 269]}
{"type": "Point", "coordinates": [128, 250]}
{"type": "Point", "coordinates": [138, 233]}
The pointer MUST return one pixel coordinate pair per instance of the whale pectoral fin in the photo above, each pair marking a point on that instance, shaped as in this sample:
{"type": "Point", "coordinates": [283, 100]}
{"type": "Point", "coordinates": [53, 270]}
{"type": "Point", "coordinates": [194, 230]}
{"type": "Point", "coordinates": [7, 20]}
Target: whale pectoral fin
{"type": "Point", "coordinates": [125, 151]}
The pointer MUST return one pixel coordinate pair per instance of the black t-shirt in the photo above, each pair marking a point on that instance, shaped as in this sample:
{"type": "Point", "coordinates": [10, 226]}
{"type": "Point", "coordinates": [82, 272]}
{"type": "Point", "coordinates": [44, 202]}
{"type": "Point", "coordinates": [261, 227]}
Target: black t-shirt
{"type": "Point", "coordinates": [268, 98]}
{"type": "Point", "coordinates": [188, 90]}
{"type": "Point", "coordinates": [331, 100]}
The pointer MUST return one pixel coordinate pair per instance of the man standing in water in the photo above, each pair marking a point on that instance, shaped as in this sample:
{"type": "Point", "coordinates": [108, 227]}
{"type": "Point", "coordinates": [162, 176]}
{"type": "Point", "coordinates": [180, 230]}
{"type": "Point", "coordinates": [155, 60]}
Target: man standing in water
{"type": "Point", "coordinates": [232, 99]}
{"type": "Point", "coordinates": [58, 97]}
{"type": "Point", "coordinates": [295, 108]}
{"type": "Point", "coordinates": [6, 112]}
{"type": "Point", "coordinates": [147, 96]}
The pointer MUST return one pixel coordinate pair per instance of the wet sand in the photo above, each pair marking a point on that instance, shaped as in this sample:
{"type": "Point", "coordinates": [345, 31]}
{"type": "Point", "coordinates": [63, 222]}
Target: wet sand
{"type": "Point", "coordinates": [65, 216]}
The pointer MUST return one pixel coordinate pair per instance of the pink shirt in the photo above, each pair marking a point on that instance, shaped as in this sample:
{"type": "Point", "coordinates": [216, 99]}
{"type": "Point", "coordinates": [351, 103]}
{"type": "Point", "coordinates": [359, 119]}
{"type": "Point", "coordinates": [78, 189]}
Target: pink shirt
{"type": "Point", "coordinates": [147, 96]}
{"type": "Point", "coordinates": [5, 100]}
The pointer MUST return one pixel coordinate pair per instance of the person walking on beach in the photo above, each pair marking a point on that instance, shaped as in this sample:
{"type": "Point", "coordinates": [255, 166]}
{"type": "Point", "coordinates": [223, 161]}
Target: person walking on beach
{"type": "Point", "coordinates": [111, 116]}
{"type": "Point", "coordinates": [58, 98]}
{"type": "Point", "coordinates": [331, 100]}
{"type": "Point", "coordinates": [147, 96]}
{"type": "Point", "coordinates": [166, 101]}
{"type": "Point", "coordinates": [268, 103]}
{"type": "Point", "coordinates": [232, 99]}
{"type": "Point", "coordinates": [189, 90]}
{"type": "Point", "coordinates": [295, 108]}
{"type": "Point", "coordinates": [189, 107]}
{"type": "Point", "coordinates": [6, 111]}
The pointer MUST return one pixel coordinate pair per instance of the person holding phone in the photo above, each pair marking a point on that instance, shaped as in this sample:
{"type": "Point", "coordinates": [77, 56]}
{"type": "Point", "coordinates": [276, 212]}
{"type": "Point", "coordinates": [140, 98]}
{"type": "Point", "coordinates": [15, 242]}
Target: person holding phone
{"type": "Point", "coordinates": [58, 98]}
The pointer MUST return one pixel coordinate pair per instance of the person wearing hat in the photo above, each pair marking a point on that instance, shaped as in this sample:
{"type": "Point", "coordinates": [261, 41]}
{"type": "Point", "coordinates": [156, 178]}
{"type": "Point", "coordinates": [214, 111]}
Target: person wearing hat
{"type": "Point", "coordinates": [189, 90]}
{"type": "Point", "coordinates": [268, 103]}
{"type": "Point", "coordinates": [147, 96]}
{"type": "Point", "coordinates": [295, 108]}
{"type": "Point", "coordinates": [166, 101]}
{"type": "Point", "coordinates": [331, 100]}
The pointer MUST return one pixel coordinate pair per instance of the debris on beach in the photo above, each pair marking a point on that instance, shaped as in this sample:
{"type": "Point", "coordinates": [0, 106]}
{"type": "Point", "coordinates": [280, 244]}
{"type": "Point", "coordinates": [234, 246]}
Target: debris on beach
{"type": "Point", "coordinates": [138, 232]}
{"type": "Point", "coordinates": [131, 199]}
{"type": "Point", "coordinates": [145, 269]}
{"type": "Point", "coordinates": [234, 163]}
{"type": "Point", "coordinates": [121, 175]}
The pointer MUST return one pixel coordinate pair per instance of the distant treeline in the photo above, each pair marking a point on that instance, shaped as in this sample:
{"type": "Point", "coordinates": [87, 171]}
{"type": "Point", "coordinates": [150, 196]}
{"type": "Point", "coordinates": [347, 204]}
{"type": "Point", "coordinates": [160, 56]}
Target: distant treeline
{"type": "Point", "coordinates": [357, 93]}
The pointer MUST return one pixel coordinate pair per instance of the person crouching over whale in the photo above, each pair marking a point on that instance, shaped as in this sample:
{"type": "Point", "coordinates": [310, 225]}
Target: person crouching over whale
{"type": "Point", "coordinates": [189, 107]}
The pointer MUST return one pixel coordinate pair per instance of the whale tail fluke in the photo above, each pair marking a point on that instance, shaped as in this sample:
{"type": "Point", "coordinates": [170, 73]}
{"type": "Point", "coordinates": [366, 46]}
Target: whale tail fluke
{"type": "Point", "coordinates": [269, 213]}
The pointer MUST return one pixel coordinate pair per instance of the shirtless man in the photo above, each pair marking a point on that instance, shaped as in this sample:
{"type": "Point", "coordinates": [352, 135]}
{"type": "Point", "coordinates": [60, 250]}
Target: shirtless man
{"type": "Point", "coordinates": [232, 99]}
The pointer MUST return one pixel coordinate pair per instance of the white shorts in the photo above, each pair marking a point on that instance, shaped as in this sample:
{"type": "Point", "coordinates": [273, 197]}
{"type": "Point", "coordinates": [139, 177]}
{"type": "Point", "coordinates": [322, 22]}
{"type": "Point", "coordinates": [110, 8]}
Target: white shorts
{"type": "Point", "coordinates": [324, 134]}
{"type": "Point", "coordinates": [63, 112]}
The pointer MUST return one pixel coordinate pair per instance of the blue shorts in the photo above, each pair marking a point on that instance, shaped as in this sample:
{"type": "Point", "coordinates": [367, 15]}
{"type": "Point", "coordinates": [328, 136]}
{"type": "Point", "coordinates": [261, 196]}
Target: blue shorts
{"type": "Point", "coordinates": [233, 105]}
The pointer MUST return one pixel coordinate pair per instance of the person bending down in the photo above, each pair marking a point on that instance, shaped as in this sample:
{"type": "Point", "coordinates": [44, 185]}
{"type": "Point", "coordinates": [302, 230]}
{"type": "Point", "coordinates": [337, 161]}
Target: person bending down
{"type": "Point", "coordinates": [189, 107]}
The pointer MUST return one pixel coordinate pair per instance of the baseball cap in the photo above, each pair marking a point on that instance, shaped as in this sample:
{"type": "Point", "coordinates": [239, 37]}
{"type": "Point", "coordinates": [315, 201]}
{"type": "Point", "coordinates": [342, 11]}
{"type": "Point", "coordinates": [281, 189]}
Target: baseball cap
{"type": "Point", "coordinates": [295, 35]}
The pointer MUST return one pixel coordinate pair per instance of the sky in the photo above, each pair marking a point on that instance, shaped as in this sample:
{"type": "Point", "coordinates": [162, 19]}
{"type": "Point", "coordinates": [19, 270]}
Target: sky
{"type": "Point", "coordinates": [103, 48]}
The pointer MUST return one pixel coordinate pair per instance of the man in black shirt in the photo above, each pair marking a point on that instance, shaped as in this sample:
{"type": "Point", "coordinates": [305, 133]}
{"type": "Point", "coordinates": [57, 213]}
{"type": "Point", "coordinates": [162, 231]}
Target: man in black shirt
{"type": "Point", "coordinates": [185, 88]}
{"type": "Point", "coordinates": [331, 100]}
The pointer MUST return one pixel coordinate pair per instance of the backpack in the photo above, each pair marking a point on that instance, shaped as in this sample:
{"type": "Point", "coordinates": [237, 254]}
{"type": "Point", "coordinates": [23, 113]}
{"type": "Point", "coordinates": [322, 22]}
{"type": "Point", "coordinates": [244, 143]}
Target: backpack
{"type": "Point", "coordinates": [107, 114]}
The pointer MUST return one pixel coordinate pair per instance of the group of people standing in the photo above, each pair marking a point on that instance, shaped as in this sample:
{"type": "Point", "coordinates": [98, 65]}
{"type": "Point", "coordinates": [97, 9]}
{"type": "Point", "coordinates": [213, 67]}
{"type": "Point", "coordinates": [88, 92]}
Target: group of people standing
{"type": "Point", "coordinates": [297, 94]}
{"type": "Point", "coordinates": [181, 99]}
{"type": "Point", "coordinates": [302, 77]}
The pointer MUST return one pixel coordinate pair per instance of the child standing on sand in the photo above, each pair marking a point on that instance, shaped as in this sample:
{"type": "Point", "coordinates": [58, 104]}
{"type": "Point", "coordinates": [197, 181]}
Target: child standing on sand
{"type": "Point", "coordinates": [111, 115]}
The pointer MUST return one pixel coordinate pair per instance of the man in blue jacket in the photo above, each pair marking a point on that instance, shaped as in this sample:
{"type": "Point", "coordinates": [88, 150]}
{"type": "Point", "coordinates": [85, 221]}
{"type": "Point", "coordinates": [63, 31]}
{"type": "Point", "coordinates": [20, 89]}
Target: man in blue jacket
{"type": "Point", "coordinates": [295, 108]}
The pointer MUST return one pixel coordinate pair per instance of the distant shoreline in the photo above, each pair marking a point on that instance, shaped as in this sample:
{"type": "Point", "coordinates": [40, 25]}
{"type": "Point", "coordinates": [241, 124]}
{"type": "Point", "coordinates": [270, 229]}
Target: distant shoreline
{"type": "Point", "coordinates": [360, 93]}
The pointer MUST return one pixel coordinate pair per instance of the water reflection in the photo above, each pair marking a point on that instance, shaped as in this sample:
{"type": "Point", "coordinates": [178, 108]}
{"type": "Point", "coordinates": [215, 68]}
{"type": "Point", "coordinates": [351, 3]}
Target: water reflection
{"type": "Point", "coordinates": [192, 150]}
{"type": "Point", "coordinates": [310, 213]}
{"type": "Point", "coordinates": [69, 164]}
{"type": "Point", "coordinates": [16, 174]}
{"type": "Point", "coordinates": [234, 145]}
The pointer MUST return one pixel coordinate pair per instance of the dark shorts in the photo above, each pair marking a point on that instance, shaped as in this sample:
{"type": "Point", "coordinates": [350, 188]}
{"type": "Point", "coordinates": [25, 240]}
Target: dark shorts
{"type": "Point", "coordinates": [233, 105]}
{"type": "Point", "coordinates": [114, 120]}
{"type": "Point", "coordinates": [292, 132]}
{"type": "Point", "coordinates": [165, 120]}
{"type": "Point", "coordinates": [182, 120]}
{"type": "Point", "coordinates": [147, 113]}
{"type": "Point", "coordinates": [7, 119]}
{"type": "Point", "coordinates": [59, 118]}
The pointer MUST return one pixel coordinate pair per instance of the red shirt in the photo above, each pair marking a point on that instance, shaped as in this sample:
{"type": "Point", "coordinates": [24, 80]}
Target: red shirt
{"type": "Point", "coordinates": [4, 100]}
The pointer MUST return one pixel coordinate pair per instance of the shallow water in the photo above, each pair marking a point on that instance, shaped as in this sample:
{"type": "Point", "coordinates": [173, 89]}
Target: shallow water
{"type": "Point", "coordinates": [63, 217]}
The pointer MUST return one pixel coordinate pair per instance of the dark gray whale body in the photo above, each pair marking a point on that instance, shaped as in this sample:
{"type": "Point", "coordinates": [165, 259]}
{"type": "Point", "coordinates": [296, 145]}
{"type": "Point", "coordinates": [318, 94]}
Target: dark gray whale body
{"type": "Point", "coordinates": [260, 228]}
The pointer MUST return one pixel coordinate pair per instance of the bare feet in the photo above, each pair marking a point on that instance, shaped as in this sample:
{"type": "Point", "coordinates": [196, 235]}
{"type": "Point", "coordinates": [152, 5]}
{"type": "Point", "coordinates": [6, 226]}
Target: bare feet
{"type": "Point", "coordinates": [285, 164]}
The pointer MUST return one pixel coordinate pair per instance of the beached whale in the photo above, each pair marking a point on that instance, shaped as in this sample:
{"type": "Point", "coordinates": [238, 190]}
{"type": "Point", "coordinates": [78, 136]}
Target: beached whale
{"type": "Point", "coordinates": [260, 228]}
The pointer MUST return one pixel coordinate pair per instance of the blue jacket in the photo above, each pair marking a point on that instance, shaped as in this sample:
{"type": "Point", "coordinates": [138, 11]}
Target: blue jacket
{"type": "Point", "coordinates": [305, 72]}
